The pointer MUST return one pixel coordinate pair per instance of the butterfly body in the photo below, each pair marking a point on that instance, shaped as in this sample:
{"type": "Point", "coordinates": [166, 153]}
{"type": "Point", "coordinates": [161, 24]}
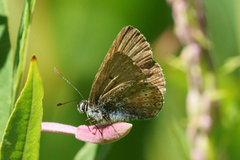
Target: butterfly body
{"type": "Point", "coordinates": [129, 84]}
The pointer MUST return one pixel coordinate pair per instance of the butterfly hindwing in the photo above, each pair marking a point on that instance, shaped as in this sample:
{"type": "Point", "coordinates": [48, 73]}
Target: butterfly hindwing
{"type": "Point", "coordinates": [132, 100]}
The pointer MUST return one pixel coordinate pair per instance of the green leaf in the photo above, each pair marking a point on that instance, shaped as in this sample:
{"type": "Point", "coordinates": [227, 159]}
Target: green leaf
{"type": "Point", "coordinates": [103, 151]}
{"type": "Point", "coordinates": [22, 135]}
{"type": "Point", "coordinates": [93, 152]}
{"type": "Point", "coordinates": [5, 69]}
{"type": "Point", "coordinates": [20, 52]}
{"type": "Point", "coordinates": [178, 135]}
{"type": "Point", "coordinates": [231, 64]}
{"type": "Point", "coordinates": [10, 78]}
{"type": "Point", "coordinates": [87, 152]}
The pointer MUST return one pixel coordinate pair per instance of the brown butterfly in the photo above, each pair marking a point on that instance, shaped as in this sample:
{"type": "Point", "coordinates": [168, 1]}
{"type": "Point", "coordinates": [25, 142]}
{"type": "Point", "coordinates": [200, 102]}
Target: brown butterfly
{"type": "Point", "coordinates": [129, 84]}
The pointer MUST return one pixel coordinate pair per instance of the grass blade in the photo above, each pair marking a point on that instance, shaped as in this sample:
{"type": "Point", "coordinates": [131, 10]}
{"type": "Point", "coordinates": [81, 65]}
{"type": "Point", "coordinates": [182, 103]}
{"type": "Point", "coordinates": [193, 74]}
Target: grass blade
{"type": "Point", "coordinates": [5, 69]}
{"type": "Point", "coordinates": [20, 53]}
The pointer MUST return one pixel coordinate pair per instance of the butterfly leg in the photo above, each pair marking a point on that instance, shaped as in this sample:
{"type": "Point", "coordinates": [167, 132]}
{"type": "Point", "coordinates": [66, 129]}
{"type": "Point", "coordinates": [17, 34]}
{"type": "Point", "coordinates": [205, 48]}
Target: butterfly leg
{"type": "Point", "coordinates": [92, 122]}
{"type": "Point", "coordinates": [107, 119]}
{"type": "Point", "coordinates": [88, 120]}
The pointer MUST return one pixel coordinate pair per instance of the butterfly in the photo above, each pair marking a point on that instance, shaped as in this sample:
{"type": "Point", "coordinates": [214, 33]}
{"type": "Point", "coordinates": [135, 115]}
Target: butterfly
{"type": "Point", "coordinates": [129, 84]}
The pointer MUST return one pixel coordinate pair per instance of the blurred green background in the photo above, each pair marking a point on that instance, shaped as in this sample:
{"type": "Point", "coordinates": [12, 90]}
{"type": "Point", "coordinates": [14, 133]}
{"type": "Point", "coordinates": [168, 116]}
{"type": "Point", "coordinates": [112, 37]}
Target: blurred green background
{"type": "Point", "coordinates": [74, 36]}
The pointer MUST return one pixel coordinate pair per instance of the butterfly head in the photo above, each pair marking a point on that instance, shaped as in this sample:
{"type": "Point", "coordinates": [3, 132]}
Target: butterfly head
{"type": "Point", "coordinates": [83, 106]}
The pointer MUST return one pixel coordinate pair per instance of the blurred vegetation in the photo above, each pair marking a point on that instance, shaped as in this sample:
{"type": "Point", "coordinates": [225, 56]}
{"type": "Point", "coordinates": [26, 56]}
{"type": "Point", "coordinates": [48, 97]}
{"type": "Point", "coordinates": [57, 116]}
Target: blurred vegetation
{"type": "Point", "coordinates": [74, 36]}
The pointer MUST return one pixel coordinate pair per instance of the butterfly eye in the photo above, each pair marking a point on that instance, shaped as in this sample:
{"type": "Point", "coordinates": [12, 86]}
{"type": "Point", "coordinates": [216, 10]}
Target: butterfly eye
{"type": "Point", "coordinates": [82, 107]}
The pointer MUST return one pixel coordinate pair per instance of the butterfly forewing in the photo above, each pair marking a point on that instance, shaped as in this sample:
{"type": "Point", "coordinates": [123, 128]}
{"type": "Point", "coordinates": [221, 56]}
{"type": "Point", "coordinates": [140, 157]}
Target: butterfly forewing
{"type": "Point", "coordinates": [118, 69]}
{"type": "Point", "coordinates": [123, 70]}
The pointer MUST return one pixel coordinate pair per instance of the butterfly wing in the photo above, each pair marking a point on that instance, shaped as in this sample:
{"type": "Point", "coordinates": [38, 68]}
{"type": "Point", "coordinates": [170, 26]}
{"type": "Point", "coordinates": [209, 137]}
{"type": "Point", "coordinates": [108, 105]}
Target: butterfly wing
{"type": "Point", "coordinates": [118, 69]}
{"type": "Point", "coordinates": [131, 100]}
{"type": "Point", "coordinates": [133, 44]}
{"type": "Point", "coordinates": [128, 59]}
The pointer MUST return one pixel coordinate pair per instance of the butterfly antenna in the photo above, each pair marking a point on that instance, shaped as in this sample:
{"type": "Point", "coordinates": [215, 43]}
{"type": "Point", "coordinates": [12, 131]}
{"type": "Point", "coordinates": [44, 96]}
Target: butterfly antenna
{"type": "Point", "coordinates": [59, 104]}
{"type": "Point", "coordinates": [55, 69]}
